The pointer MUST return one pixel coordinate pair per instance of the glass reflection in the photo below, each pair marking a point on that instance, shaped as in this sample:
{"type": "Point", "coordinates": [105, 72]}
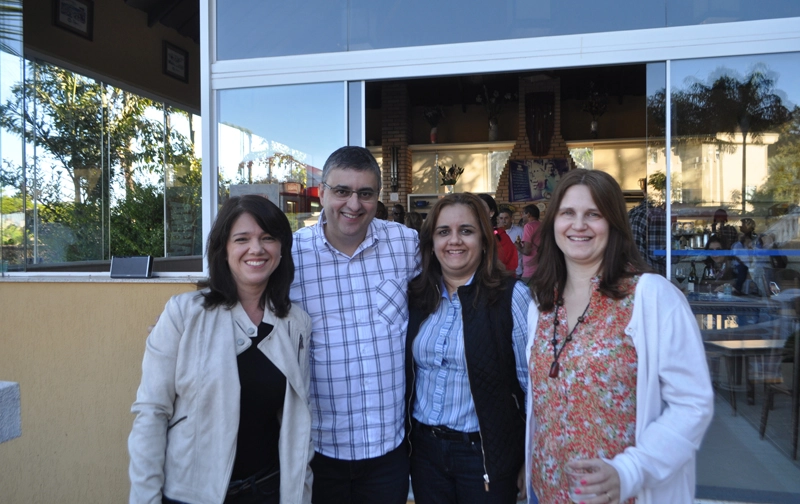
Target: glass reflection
{"type": "Point", "coordinates": [275, 140]}
{"type": "Point", "coordinates": [248, 29]}
{"type": "Point", "coordinates": [736, 224]}
{"type": "Point", "coordinates": [12, 198]}
{"type": "Point", "coordinates": [694, 12]}
{"type": "Point", "coordinates": [83, 173]}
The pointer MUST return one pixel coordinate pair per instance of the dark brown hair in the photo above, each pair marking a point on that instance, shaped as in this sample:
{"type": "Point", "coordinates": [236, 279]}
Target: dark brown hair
{"type": "Point", "coordinates": [621, 258]}
{"type": "Point", "coordinates": [424, 290]}
{"type": "Point", "coordinates": [221, 284]}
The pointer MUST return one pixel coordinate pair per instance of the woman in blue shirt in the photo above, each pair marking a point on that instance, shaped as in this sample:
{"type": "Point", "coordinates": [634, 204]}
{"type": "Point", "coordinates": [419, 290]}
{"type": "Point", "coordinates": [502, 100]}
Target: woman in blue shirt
{"type": "Point", "coordinates": [465, 362]}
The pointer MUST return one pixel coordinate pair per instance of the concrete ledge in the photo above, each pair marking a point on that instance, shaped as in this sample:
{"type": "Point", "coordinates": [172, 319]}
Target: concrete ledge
{"type": "Point", "coordinates": [10, 418]}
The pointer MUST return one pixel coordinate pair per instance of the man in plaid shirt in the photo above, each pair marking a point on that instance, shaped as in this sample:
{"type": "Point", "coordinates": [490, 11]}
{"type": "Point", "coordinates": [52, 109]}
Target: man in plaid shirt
{"type": "Point", "coordinates": [649, 228]}
{"type": "Point", "coordinates": [352, 273]}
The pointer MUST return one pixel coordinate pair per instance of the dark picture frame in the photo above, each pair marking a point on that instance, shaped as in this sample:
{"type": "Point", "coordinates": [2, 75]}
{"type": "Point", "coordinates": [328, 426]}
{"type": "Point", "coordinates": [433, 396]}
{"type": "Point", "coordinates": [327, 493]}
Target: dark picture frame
{"type": "Point", "coordinates": [175, 62]}
{"type": "Point", "coordinates": [76, 16]}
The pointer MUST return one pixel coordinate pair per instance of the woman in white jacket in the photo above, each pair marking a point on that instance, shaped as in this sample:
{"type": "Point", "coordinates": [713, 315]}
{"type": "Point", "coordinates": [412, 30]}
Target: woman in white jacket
{"type": "Point", "coordinates": [619, 384]}
{"type": "Point", "coordinates": [222, 412]}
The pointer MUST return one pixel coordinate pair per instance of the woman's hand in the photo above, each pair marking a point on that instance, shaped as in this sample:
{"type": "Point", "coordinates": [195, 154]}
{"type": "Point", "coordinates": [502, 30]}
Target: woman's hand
{"type": "Point", "coordinates": [602, 480]}
{"type": "Point", "coordinates": [522, 495]}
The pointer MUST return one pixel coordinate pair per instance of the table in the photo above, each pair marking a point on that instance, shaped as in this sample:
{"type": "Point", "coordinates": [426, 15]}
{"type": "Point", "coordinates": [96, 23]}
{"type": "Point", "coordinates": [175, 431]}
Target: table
{"type": "Point", "coordinates": [747, 310]}
{"type": "Point", "coordinates": [740, 350]}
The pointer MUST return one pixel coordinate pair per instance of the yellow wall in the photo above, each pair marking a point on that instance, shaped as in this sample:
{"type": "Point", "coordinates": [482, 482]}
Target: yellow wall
{"type": "Point", "coordinates": [76, 350]}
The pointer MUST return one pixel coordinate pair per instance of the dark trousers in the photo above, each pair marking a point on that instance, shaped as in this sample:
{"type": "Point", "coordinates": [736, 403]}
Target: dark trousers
{"type": "Point", "coordinates": [450, 472]}
{"type": "Point", "coordinates": [381, 479]}
{"type": "Point", "coordinates": [265, 492]}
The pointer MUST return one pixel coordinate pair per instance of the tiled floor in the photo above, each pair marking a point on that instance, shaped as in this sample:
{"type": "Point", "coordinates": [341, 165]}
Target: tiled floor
{"type": "Point", "coordinates": [733, 464]}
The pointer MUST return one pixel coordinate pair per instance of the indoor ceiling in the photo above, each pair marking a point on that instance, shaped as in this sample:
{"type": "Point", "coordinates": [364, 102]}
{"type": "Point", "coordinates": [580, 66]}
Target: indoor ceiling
{"type": "Point", "coordinates": [180, 15]}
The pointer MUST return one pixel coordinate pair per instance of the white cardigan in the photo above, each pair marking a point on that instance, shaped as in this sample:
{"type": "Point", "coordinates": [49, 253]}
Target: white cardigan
{"type": "Point", "coordinates": [183, 440]}
{"type": "Point", "coordinates": [674, 398]}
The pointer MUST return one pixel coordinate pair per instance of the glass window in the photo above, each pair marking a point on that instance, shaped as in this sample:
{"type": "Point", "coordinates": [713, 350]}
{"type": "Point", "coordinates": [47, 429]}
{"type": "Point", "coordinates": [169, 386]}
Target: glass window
{"type": "Point", "coordinates": [12, 200]}
{"type": "Point", "coordinates": [275, 140]}
{"type": "Point", "coordinates": [85, 176]}
{"type": "Point", "coordinates": [247, 29]}
{"type": "Point", "coordinates": [329, 26]}
{"type": "Point", "coordinates": [695, 12]}
{"type": "Point", "coordinates": [734, 197]}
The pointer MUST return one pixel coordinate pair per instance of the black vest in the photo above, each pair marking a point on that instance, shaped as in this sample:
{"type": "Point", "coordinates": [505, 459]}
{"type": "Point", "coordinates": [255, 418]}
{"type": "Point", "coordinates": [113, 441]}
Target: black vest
{"type": "Point", "coordinates": [491, 366]}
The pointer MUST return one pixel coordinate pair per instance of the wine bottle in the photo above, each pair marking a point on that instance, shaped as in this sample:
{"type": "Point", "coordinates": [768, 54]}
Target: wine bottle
{"type": "Point", "coordinates": [691, 281]}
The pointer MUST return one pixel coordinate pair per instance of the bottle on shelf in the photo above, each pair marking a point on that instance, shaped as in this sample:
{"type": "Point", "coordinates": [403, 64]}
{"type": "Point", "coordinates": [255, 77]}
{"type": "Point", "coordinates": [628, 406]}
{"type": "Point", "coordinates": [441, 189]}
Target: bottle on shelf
{"type": "Point", "coordinates": [691, 280]}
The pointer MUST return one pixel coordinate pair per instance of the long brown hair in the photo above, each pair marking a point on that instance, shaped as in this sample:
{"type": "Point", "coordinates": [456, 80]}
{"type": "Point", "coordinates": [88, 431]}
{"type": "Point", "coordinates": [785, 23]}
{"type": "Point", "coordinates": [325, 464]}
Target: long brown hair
{"type": "Point", "coordinates": [424, 290]}
{"type": "Point", "coordinates": [621, 258]}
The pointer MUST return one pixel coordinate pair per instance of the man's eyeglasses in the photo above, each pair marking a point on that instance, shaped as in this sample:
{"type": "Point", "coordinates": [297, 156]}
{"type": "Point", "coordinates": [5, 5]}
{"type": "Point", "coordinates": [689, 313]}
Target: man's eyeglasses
{"type": "Point", "coordinates": [344, 193]}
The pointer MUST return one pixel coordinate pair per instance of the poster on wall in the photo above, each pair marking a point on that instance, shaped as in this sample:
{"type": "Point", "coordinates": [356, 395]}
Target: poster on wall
{"type": "Point", "coordinates": [535, 179]}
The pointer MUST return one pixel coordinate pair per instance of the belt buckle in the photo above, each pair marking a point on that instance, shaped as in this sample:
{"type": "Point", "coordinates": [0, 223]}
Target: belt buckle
{"type": "Point", "coordinates": [437, 432]}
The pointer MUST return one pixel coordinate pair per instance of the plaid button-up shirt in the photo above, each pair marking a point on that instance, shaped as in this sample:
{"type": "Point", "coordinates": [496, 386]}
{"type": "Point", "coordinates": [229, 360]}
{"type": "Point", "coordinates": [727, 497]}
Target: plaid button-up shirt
{"type": "Point", "coordinates": [359, 315]}
{"type": "Point", "coordinates": [649, 227]}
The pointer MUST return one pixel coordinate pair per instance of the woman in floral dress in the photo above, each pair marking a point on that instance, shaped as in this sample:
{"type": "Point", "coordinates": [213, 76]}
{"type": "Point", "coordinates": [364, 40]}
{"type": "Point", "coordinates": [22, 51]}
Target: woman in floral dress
{"type": "Point", "coordinates": [619, 383]}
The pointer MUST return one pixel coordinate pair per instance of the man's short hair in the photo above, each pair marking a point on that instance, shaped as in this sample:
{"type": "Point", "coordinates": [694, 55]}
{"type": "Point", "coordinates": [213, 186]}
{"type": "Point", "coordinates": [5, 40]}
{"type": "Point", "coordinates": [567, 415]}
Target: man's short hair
{"type": "Point", "coordinates": [531, 210]}
{"type": "Point", "coordinates": [506, 210]}
{"type": "Point", "coordinates": [351, 157]}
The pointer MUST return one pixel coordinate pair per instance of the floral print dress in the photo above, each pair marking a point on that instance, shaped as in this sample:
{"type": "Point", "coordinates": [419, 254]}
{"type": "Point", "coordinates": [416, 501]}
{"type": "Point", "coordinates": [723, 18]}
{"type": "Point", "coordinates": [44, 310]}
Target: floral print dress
{"type": "Point", "coordinates": [589, 410]}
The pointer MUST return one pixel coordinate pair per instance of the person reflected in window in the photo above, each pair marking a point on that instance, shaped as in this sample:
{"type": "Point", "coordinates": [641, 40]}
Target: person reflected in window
{"type": "Point", "coordinates": [718, 270]}
{"type": "Point", "coordinates": [465, 363]}
{"type": "Point", "coordinates": [222, 411]}
{"type": "Point", "coordinates": [721, 228]}
{"type": "Point", "coordinates": [648, 223]}
{"type": "Point", "coordinates": [619, 385]}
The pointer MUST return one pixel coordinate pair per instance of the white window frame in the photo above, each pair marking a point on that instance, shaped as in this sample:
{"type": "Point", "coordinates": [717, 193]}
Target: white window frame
{"type": "Point", "coordinates": [529, 54]}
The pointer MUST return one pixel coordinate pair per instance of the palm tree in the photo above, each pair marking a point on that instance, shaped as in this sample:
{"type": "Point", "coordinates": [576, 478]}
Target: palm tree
{"type": "Point", "coordinates": [748, 106]}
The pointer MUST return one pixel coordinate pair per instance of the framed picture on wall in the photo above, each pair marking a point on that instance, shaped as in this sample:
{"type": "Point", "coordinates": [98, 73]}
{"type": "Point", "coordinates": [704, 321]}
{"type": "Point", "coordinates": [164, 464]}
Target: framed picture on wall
{"type": "Point", "coordinates": [76, 16]}
{"type": "Point", "coordinates": [176, 62]}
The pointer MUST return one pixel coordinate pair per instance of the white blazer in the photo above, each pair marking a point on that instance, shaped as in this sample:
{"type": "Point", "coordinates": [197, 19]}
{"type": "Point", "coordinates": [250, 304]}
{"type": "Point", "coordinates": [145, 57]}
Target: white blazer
{"type": "Point", "coordinates": [183, 440]}
{"type": "Point", "coordinates": [674, 398]}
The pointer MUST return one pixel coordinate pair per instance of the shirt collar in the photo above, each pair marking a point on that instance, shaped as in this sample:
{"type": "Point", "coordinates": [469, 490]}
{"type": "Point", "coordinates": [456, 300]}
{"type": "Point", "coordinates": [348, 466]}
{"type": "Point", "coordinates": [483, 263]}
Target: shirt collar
{"type": "Point", "coordinates": [369, 240]}
{"type": "Point", "coordinates": [443, 287]}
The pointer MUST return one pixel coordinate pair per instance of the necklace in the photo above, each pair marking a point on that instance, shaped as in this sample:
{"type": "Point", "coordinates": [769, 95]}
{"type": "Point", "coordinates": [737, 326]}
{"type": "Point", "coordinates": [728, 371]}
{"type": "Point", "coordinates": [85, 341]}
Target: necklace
{"type": "Point", "coordinates": [555, 366]}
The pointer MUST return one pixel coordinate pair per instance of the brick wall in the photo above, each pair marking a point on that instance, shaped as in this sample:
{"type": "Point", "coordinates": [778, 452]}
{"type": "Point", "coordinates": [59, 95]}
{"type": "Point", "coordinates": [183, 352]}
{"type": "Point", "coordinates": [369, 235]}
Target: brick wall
{"type": "Point", "coordinates": [521, 150]}
{"type": "Point", "coordinates": [396, 132]}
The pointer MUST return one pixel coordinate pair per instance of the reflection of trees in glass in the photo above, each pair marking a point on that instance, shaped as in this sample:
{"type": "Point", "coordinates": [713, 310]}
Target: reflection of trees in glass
{"type": "Point", "coordinates": [279, 167]}
{"type": "Point", "coordinates": [109, 145]}
{"type": "Point", "coordinates": [783, 180]}
{"type": "Point", "coordinates": [11, 26]}
{"type": "Point", "coordinates": [748, 106]}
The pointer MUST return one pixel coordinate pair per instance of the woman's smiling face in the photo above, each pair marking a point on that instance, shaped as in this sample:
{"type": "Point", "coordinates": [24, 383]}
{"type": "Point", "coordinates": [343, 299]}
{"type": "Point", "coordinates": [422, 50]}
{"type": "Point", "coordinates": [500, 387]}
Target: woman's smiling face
{"type": "Point", "coordinates": [581, 231]}
{"type": "Point", "coordinates": [457, 241]}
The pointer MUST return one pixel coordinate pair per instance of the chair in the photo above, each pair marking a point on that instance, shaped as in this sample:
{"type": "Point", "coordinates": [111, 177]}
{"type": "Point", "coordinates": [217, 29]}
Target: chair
{"type": "Point", "coordinates": [782, 388]}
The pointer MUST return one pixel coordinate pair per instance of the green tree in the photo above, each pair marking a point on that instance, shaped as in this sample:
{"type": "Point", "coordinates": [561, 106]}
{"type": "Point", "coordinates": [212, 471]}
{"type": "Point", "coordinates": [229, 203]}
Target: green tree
{"type": "Point", "coordinates": [783, 180]}
{"type": "Point", "coordinates": [110, 145]}
{"type": "Point", "coordinates": [730, 104]}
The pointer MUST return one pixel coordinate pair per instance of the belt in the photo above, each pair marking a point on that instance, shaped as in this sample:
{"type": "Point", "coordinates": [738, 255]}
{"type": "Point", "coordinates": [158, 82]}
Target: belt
{"type": "Point", "coordinates": [239, 486]}
{"type": "Point", "coordinates": [448, 434]}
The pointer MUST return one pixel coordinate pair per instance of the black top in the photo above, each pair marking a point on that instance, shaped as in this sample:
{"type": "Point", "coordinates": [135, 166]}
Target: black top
{"type": "Point", "coordinates": [263, 390]}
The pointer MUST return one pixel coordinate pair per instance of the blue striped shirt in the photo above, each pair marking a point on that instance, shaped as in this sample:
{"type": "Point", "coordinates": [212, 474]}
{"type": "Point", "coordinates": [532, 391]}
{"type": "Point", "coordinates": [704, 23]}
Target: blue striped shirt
{"type": "Point", "coordinates": [359, 315]}
{"type": "Point", "coordinates": [443, 395]}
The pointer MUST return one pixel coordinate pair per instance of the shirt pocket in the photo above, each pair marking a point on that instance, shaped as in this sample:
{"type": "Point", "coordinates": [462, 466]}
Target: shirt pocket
{"type": "Point", "coordinates": [392, 301]}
